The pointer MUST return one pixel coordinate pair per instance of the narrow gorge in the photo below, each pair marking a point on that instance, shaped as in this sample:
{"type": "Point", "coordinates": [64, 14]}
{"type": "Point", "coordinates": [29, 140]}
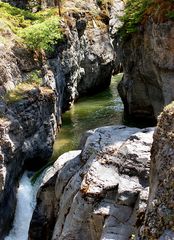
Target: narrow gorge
{"type": "Point", "coordinates": [76, 162]}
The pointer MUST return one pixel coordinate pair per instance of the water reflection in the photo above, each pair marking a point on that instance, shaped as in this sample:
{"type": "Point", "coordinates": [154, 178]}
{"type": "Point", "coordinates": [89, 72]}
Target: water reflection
{"type": "Point", "coordinates": [104, 108]}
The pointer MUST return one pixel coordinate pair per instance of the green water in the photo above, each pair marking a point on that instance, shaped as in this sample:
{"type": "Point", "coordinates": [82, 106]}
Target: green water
{"type": "Point", "coordinates": [104, 108]}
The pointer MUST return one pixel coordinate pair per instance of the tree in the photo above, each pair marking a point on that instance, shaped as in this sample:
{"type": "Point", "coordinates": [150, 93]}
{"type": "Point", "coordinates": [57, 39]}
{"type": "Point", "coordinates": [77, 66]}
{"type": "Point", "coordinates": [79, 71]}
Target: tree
{"type": "Point", "coordinates": [58, 3]}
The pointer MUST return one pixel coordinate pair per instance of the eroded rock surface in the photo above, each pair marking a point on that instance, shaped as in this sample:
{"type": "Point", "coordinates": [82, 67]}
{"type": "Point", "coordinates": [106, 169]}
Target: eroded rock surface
{"type": "Point", "coordinates": [147, 58]}
{"type": "Point", "coordinates": [159, 220]}
{"type": "Point", "coordinates": [99, 193]}
{"type": "Point", "coordinates": [80, 65]}
{"type": "Point", "coordinates": [26, 138]}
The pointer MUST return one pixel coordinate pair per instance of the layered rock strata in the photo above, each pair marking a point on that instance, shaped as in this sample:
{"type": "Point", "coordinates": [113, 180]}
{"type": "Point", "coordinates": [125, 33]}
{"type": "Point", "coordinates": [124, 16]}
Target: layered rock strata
{"type": "Point", "coordinates": [99, 193]}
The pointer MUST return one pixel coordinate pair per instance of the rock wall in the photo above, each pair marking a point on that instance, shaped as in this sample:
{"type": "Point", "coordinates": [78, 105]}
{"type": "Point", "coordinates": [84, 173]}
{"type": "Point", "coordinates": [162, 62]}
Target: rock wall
{"type": "Point", "coordinates": [26, 140]}
{"type": "Point", "coordinates": [27, 122]}
{"type": "Point", "coordinates": [85, 61]}
{"type": "Point", "coordinates": [147, 58]}
{"type": "Point", "coordinates": [159, 220]}
{"type": "Point", "coordinates": [80, 65]}
{"type": "Point", "coordinates": [99, 193]}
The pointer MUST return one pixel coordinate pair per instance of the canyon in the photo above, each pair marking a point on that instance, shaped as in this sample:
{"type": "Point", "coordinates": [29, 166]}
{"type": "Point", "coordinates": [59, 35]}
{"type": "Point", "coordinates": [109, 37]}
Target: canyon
{"type": "Point", "coordinates": [100, 191]}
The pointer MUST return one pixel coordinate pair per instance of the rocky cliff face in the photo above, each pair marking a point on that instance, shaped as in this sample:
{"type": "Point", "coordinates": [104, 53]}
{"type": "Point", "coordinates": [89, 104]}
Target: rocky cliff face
{"type": "Point", "coordinates": [99, 193]}
{"type": "Point", "coordinates": [29, 114]}
{"type": "Point", "coordinates": [26, 139]}
{"type": "Point", "coordinates": [85, 61]}
{"type": "Point", "coordinates": [27, 122]}
{"type": "Point", "coordinates": [159, 220]}
{"type": "Point", "coordinates": [147, 58]}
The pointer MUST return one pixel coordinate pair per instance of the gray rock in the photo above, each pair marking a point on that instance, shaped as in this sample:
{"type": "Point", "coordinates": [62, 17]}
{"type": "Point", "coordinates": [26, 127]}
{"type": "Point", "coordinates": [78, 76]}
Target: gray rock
{"type": "Point", "coordinates": [27, 133]}
{"type": "Point", "coordinates": [168, 235]}
{"type": "Point", "coordinates": [148, 65]}
{"type": "Point", "coordinates": [101, 193]}
{"type": "Point", "coordinates": [159, 220]}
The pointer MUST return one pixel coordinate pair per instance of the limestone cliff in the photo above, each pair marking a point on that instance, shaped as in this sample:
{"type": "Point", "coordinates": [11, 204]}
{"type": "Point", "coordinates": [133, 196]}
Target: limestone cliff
{"type": "Point", "coordinates": [27, 122]}
{"type": "Point", "coordinates": [84, 63]}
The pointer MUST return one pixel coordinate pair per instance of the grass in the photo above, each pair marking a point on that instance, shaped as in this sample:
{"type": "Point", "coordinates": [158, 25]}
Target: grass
{"type": "Point", "coordinates": [20, 91]}
{"type": "Point", "coordinates": [16, 18]}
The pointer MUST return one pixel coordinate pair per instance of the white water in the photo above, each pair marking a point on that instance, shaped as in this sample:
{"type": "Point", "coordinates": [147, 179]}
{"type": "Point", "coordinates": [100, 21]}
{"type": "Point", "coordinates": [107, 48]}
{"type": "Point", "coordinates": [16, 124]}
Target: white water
{"type": "Point", "coordinates": [26, 202]}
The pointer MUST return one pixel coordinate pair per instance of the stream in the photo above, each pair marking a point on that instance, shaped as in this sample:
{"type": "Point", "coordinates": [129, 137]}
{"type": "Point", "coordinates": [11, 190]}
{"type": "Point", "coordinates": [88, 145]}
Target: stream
{"type": "Point", "coordinates": [26, 202]}
{"type": "Point", "coordinates": [104, 108]}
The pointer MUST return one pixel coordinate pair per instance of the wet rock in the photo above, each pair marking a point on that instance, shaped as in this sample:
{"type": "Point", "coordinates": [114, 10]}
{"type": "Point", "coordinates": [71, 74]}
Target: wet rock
{"type": "Point", "coordinates": [26, 139]}
{"type": "Point", "coordinates": [101, 192]}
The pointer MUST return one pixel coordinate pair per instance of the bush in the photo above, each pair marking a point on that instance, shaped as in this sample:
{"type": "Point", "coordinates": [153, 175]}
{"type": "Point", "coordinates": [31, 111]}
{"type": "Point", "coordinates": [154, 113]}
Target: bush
{"type": "Point", "coordinates": [138, 11]}
{"type": "Point", "coordinates": [43, 35]}
{"type": "Point", "coordinates": [39, 30]}
{"type": "Point", "coordinates": [134, 12]}
{"type": "Point", "coordinates": [16, 18]}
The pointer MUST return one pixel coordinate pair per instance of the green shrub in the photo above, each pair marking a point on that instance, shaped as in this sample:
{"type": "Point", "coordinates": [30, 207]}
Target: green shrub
{"type": "Point", "coordinates": [134, 12]}
{"type": "Point", "coordinates": [170, 15]}
{"type": "Point", "coordinates": [39, 30]}
{"type": "Point", "coordinates": [138, 11]}
{"type": "Point", "coordinates": [16, 18]}
{"type": "Point", "coordinates": [42, 35]}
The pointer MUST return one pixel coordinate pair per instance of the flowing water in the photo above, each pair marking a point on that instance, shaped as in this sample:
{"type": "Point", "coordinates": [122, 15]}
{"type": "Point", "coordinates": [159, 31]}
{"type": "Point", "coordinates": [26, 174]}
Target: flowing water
{"type": "Point", "coordinates": [26, 202]}
{"type": "Point", "coordinates": [104, 108]}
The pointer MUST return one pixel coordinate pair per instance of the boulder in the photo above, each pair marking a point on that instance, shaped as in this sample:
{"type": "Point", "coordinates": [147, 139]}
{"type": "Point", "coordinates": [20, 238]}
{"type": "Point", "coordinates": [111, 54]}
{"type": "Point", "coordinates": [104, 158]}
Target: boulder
{"type": "Point", "coordinates": [99, 193]}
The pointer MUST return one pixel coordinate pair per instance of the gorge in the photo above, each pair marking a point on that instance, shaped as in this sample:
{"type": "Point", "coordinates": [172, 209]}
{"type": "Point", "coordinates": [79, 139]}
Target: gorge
{"type": "Point", "coordinates": [52, 57]}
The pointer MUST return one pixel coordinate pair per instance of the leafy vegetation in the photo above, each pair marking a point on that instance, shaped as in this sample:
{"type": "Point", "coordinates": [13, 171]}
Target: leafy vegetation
{"type": "Point", "coordinates": [39, 31]}
{"type": "Point", "coordinates": [16, 18]}
{"type": "Point", "coordinates": [134, 12]}
{"type": "Point", "coordinates": [138, 11]}
{"type": "Point", "coordinates": [40, 171]}
{"type": "Point", "coordinates": [42, 35]}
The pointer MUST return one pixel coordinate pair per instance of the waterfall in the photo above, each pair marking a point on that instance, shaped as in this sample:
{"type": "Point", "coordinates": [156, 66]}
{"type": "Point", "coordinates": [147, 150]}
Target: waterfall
{"type": "Point", "coordinates": [26, 202]}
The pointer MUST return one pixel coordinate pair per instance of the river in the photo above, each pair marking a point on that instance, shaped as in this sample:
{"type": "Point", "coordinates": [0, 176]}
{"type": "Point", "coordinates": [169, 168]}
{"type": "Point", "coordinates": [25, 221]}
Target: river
{"type": "Point", "coordinates": [104, 108]}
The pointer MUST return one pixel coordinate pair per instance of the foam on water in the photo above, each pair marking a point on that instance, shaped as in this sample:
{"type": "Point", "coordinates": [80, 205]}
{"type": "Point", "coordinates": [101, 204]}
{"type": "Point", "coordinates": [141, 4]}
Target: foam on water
{"type": "Point", "coordinates": [26, 202]}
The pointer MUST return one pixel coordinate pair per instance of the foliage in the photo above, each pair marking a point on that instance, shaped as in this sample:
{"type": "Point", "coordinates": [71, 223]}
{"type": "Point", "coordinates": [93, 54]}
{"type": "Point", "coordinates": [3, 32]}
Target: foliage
{"type": "Point", "coordinates": [42, 35]}
{"type": "Point", "coordinates": [170, 15]}
{"type": "Point", "coordinates": [35, 78]}
{"type": "Point", "coordinates": [40, 31]}
{"type": "Point", "coordinates": [16, 18]}
{"type": "Point", "coordinates": [134, 11]}
{"type": "Point", "coordinates": [18, 93]}
{"type": "Point", "coordinates": [40, 171]}
{"type": "Point", "coordinates": [138, 11]}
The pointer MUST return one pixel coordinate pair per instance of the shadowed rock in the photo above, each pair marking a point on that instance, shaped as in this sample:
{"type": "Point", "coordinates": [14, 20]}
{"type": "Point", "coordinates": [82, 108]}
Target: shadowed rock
{"type": "Point", "coordinates": [102, 192]}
